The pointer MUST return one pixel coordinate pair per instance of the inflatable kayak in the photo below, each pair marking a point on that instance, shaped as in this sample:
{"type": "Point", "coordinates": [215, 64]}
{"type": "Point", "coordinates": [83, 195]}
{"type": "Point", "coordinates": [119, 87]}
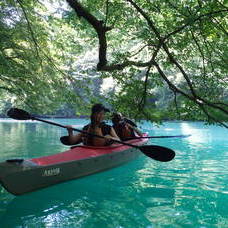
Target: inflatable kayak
{"type": "Point", "coordinates": [19, 176]}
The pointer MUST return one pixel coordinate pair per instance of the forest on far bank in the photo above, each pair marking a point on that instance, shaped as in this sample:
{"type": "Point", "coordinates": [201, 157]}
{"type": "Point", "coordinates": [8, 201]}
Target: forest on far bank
{"type": "Point", "coordinates": [154, 60]}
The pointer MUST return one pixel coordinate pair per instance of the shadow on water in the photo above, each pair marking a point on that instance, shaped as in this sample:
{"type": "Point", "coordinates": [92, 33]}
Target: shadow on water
{"type": "Point", "coordinates": [82, 202]}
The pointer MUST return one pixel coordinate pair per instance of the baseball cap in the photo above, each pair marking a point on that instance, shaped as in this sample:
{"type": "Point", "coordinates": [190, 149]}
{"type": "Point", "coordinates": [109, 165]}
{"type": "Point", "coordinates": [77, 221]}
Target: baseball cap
{"type": "Point", "coordinates": [99, 108]}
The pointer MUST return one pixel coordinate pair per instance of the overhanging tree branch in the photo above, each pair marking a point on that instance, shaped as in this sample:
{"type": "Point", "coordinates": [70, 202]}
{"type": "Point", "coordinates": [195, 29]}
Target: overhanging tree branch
{"type": "Point", "coordinates": [161, 40]}
{"type": "Point", "coordinates": [192, 98]}
{"type": "Point", "coordinates": [30, 30]}
{"type": "Point", "coordinates": [191, 22]}
{"type": "Point", "coordinates": [142, 103]}
{"type": "Point", "coordinates": [197, 99]}
{"type": "Point", "coordinates": [98, 25]}
{"type": "Point", "coordinates": [101, 30]}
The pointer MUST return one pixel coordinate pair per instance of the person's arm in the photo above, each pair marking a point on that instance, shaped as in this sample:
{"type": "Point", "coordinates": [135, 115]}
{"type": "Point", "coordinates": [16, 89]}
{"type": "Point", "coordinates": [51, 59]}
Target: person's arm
{"type": "Point", "coordinates": [133, 124]}
{"type": "Point", "coordinates": [73, 138]}
{"type": "Point", "coordinates": [113, 135]}
{"type": "Point", "coordinates": [135, 129]}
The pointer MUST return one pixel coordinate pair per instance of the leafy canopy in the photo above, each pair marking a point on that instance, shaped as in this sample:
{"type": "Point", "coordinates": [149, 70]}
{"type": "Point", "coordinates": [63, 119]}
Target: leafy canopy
{"type": "Point", "coordinates": [167, 58]}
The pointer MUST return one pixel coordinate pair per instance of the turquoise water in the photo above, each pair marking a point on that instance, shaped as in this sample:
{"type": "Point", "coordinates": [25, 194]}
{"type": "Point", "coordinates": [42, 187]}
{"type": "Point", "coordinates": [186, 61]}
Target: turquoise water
{"type": "Point", "coordinates": [190, 191]}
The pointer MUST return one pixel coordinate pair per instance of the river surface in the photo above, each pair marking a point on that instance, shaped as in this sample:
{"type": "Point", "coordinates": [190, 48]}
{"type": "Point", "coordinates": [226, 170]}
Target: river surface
{"type": "Point", "coordinates": [189, 191]}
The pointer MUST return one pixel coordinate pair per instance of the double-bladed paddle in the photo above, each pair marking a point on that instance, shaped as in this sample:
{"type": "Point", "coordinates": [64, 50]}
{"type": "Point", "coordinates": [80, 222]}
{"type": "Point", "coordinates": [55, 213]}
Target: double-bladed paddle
{"type": "Point", "coordinates": [158, 153]}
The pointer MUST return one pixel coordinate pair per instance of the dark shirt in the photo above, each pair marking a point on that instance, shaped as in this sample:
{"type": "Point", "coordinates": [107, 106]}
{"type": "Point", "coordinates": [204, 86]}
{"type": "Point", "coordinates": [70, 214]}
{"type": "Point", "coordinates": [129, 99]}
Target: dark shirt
{"type": "Point", "coordinates": [123, 130]}
{"type": "Point", "coordinates": [88, 139]}
{"type": "Point", "coordinates": [130, 122]}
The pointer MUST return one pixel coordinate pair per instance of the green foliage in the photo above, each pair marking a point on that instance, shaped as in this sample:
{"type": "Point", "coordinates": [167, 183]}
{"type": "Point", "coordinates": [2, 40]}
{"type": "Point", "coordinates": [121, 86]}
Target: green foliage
{"type": "Point", "coordinates": [48, 55]}
{"type": "Point", "coordinates": [38, 51]}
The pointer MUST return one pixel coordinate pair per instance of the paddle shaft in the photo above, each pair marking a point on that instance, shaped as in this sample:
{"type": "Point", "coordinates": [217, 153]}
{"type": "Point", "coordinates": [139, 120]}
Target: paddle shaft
{"type": "Point", "coordinates": [163, 136]}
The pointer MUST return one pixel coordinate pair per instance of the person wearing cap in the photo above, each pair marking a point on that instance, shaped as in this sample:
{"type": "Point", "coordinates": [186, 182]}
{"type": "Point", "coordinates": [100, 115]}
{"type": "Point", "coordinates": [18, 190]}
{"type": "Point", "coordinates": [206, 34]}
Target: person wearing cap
{"type": "Point", "coordinates": [124, 127]}
{"type": "Point", "coordinates": [97, 126]}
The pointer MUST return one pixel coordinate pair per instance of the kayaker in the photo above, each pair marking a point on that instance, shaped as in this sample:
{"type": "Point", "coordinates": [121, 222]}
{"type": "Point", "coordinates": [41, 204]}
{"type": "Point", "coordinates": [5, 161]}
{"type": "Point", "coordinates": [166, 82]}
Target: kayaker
{"type": "Point", "coordinates": [97, 126]}
{"type": "Point", "coordinates": [124, 127]}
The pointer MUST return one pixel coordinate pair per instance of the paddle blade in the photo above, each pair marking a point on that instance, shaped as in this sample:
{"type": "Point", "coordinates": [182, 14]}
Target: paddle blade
{"type": "Point", "coordinates": [65, 140]}
{"type": "Point", "coordinates": [18, 114]}
{"type": "Point", "coordinates": [158, 153]}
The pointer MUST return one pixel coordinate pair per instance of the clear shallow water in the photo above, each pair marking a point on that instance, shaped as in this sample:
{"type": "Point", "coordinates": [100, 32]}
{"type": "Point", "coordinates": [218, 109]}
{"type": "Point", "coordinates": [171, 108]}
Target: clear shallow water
{"type": "Point", "coordinates": [190, 191]}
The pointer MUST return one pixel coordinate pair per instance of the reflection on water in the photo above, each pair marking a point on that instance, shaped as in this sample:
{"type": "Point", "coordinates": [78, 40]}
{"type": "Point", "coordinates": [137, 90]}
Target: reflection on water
{"type": "Point", "coordinates": [190, 191]}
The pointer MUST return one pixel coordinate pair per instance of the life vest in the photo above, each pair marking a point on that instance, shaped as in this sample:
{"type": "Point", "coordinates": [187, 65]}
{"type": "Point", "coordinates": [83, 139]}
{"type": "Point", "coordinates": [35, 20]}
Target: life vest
{"type": "Point", "coordinates": [88, 139]}
{"type": "Point", "coordinates": [123, 130]}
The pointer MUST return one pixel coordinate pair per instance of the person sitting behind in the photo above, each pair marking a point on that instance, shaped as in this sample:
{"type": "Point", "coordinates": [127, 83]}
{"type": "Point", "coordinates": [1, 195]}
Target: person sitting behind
{"type": "Point", "coordinates": [124, 127]}
{"type": "Point", "coordinates": [96, 127]}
